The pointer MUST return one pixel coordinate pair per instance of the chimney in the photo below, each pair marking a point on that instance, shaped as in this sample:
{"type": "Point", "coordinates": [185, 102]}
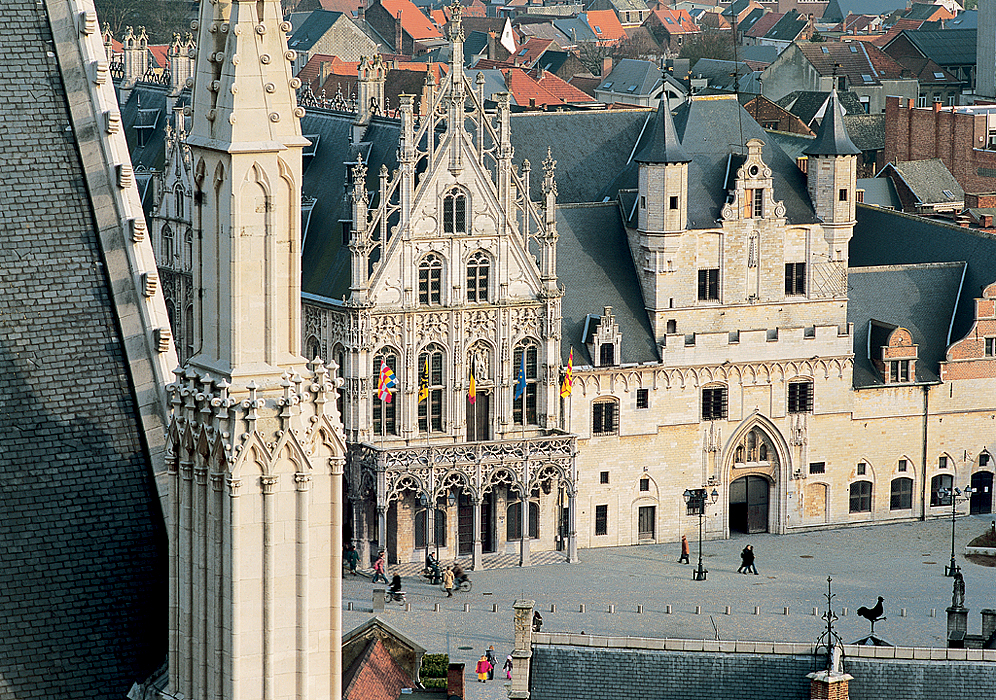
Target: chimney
{"type": "Point", "coordinates": [912, 104]}
{"type": "Point", "coordinates": [398, 36]}
{"type": "Point", "coordinates": [988, 624]}
{"type": "Point", "coordinates": [606, 66]}
{"type": "Point", "coordinates": [361, 11]}
{"type": "Point", "coordinates": [830, 684]}
{"type": "Point", "coordinates": [523, 651]}
{"type": "Point", "coordinates": [454, 681]}
{"type": "Point", "coordinates": [937, 106]}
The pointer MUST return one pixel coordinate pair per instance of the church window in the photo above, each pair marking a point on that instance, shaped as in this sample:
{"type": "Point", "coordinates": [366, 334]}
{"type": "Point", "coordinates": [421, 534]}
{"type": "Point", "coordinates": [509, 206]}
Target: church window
{"type": "Point", "coordinates": [795, 278]}
{"type": "Point", "coordinates": [942, 462]}
{"type": "Point", "coordinates": [902, 494]}
{"type": "Point", "coordinates": [606, 354]}
{"type": "Point", "coordinates": [903, 465]}
{"type": "Point", "coordinates": [941, 482]}
{"type": "Point", "coordinates": [430, 280]}
{"type": "Point", "coordinates": [430, 409]}
{"type": "Point", "coordinates": [178, 193]}
{"type": "Point", "coordinates": [166, 249]}
{"type": "Point", "coordinates": [604, 418]}
{"type": "Point", "coordinates": [455, 212]}
{"type": "Point", "coordinates": [385, 415]}
{"type": "Point", "coordinates": [990, 347]}
{"type": "Point", "coordinates": [800, 397]}
{"type": "Point", "coordinates": [714, 403]}
{"type": "Point", "coordinates": [188, 250]}
{"type": "Point", "coordinates": [478, 269]}
{"type": "Point", "coordinates": [709, 284]}
{"type": "Point", "coordinates": [899, 370]}
{"type": "Point", "coordinates": [861, 497]}
{"type": "Point", "coordinates": [644, 484]}
{"type": "Point", "coordinates": [527, 400]}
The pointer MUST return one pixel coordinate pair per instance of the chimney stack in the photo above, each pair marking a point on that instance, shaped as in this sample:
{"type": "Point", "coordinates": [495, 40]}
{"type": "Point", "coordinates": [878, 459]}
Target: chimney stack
{"type": "Point", "coordinates": [454, 681]}
{"type": "Point", "coordinates": [831, 684]}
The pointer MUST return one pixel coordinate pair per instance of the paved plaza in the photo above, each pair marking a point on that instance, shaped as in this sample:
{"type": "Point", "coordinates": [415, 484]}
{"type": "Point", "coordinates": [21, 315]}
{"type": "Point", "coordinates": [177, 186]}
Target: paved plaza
{"type": "Point", "coordinates": [902, 562]}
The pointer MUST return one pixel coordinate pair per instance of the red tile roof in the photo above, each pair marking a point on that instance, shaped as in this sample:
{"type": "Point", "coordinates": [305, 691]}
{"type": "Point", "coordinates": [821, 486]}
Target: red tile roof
{"type": "Point", "coordinates": [534, 48]}
{"type": "Point", "coordinates": [560, 87]}
{"type": "Point", "coordinates": [911, 24]}
{"type": "Point", "coordinates": [675, 21]}
{"type": "Point", "coordinates": [347, 7]}
{"type": "Point", "coordinates": [764, 23]}
{"type": "Point", "coordinates": [375, 675]}
{"type": "Point", "coordinates": [527, 92]}
{"type": "Point", "coordinates": [159, 55]}
{"type": "Point", "coordinates": [413, 21]}
{"type": "Point", "coordinates": [606, 26]}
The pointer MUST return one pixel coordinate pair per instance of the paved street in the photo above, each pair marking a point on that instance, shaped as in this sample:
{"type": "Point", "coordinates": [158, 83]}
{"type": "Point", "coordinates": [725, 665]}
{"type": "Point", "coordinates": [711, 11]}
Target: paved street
{"type": "Point", "coordinates": [902, 562]}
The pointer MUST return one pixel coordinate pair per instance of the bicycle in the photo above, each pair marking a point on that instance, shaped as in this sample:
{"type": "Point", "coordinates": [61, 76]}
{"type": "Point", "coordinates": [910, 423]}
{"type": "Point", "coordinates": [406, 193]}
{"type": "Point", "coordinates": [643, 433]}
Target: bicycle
{"type": "Point", "coordinates": [464, 584]}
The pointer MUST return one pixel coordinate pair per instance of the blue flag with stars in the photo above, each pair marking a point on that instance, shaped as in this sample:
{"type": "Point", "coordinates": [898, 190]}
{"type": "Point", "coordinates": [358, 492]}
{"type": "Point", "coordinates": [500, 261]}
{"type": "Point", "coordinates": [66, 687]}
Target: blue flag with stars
{"type": "Point", "coordinates": [520, 384]}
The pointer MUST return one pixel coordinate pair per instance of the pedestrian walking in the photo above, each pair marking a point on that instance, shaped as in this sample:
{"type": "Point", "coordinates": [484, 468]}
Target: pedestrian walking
{"type": "Point", "coordinates": [380, 568]}
{"type": "Point", "coordinates": [483, 667]}
{"type": "Point", "coordinates": [490, 655]}
{"type": "Point", "coordinates": [352, 558]}
{"type": "Point", "coordinates": [683, 559]}
{"type": "Point", "coordinates": [508, 667]}
{"type": "Point", "coordinates": [747, 561]}
{"type": "Point", "coordinates": [448, 581]}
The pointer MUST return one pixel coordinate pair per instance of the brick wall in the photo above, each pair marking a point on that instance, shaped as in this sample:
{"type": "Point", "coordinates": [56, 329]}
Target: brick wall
{"type": "Point", "coordinates": [914, 133]}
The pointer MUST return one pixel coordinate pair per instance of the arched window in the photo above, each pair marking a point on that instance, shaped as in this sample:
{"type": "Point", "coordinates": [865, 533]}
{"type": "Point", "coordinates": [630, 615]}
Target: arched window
{"type": "Point", "coordinates": [178, 193]}
{"type": "Point", "coordinates": [431, 389]}
{"type": "Point", "coordinates": [754, 448]}
{"type": "Point", "coordinates": [421, 527]}
{"type": "Point", "coordinates": [902, 494]}
{"type": "Point", "coordinates": [524, 367]}
{"type": "Point", "coordinates": [385, 413]}
{"type": "Point", "coordinates": [861, 497]}
{"type": "Point", "coordinates": [430, 280]}
{"type": "Point", "coordinates": [513, 520]}
{"type": "Point", "coordinates": [941, 481]}
{"type": "Point", "coordinates": [188, 250]}
{"type": "Point", "coordinates": [478, 269]}
{"type": "Point", "coordinates": [455, 212]}
{"type": "Point", "coordinates": [313, 349]}
{"type": "Point", "coordinates": [166, 247]}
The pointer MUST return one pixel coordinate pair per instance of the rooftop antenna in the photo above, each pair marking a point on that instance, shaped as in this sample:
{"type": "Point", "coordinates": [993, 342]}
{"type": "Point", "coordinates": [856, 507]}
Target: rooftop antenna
{"type": "Point", "coordinates": [829, 638]}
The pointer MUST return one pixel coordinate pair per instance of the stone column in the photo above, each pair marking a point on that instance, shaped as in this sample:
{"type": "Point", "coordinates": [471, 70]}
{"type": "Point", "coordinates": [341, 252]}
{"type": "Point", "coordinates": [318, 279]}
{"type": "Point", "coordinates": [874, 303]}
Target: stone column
{"type": "Point", "coordinates": [523, 651]}
{"type": "Point", "coordinates": [268, 484]}
{"type": "Point", "coordinates": [303, 556]}
{"type": "Point", "coordinates": [381, 529]}
{"type": "Point", "coordinates": [524, 525]}
{"type": "Point", "coordinates": [478, 549]}
{"type": "Point", "coordinates": [572, 535]}
{"type": "Point", "coordinates": [957, 626]}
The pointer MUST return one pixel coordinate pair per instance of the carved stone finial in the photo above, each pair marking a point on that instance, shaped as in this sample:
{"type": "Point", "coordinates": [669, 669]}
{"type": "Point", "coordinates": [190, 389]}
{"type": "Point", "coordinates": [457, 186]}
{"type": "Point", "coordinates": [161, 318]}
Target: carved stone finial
{"type": "Point", "coordinates": [549, 170]}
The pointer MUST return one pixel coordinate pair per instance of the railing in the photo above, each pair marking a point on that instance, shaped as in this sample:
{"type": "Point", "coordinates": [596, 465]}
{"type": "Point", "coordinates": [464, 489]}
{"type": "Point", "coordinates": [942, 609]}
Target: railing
{"type": "Point", "coordinates": [554, 447]}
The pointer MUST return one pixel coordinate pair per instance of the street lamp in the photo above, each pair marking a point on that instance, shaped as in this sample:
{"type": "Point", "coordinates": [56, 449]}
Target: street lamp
{"type": "Point", "coordinates": [955, 496]}
{"type": "Point", "coordinates": [695, 502]}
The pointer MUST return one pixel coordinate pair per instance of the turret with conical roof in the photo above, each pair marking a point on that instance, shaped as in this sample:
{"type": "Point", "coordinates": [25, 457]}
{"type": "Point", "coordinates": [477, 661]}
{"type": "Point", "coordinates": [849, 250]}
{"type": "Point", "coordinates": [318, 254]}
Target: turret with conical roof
{"type": "Point", "coordinates": [663, 188]}
{"type": "Point", "coordinates": [832, 177]}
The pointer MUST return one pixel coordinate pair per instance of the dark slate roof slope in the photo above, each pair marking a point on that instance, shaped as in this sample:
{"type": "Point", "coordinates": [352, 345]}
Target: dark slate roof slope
{"type": "Point", "coordinates": [84, 553]}
{"type": "Point", "coordinates": [920, 298]}
{"type": "Point", "coordinates": [663, 146]}
{"type": "Point", "coordinates": [832, 138]}
{"type": "Point", "coordinates": [883, 237]}
{"type": "Point", "coordinates": [710, 129]}
{"type": "Point", "coordinates": [312, 30]}
{"type": "Point", "coordinates": [867, 131]}
{"type": "Point", "coordinates": [595, 267]}
{"type": "Point", "coordinates": [147, 104]}
{"type": "Point", "coordinates": [950, 47]}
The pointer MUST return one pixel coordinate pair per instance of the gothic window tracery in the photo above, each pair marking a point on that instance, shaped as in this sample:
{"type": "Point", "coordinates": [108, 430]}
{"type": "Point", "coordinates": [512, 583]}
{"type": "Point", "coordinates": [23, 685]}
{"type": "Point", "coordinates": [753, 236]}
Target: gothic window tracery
{"type": "Point", "coordinates": [188, 250]}
{"type": "Point", "coordinates": [430, 280]}
{"type": "Point", "coordinates": [178, 194]}
{"type": "Point", "coordinates": [754, 448]}
{"type": "Point", "coordinates": [525, 361]}
{"type": "Point", "coordinates": [385, 413]}
{"type": "Point", "coordinates": [478, 272]}
{"type": "Point", "coordinates": [166, 247]}
{"type": "Point", "coordinates": [430, 408]}
{"type": "Point", "coordinates": [455, 211]}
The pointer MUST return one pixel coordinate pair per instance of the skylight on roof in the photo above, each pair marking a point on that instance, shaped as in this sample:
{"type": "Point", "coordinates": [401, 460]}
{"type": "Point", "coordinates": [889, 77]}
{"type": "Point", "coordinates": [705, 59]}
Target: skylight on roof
{"type": "Point", "coordinates": [948, 193]}
{"type": "Point", "coordinates": [668, 20]}
{"type": "Point", "coordinates": [825, 49]}
{"type": "Point", "coordinates": [524, 52]}
{"type": "Point", "coordinates": [867, 78]}
{"type": "Point", "coordinates": [607, 85]}
{"type": "Point", "coordinates": [631, 88]}
{"type": "Point", "coordinates": [854, 49]}
{"type": "Point", "coordinates": [598, 29]}
{"type": "Point", "coordinates": [939, 76]}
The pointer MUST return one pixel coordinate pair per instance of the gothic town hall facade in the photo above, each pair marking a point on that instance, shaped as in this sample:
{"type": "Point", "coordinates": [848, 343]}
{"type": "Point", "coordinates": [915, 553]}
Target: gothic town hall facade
{"type": "Point", "coordinates": [701, 284]}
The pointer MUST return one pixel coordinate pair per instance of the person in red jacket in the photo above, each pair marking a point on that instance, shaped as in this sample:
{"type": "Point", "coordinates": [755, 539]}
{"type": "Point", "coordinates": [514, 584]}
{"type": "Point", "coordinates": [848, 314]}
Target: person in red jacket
{"type": "Point", "coordinates": [683, 559]}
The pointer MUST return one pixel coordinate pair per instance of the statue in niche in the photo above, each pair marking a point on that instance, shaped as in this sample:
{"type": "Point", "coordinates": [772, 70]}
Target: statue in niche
{"type": "Point", "coordinates": [479, 361]}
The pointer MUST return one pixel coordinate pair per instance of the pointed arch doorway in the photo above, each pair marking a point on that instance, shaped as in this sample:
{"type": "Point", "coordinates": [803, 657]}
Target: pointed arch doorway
{"type": "Point", "coordinates": [749, 503]}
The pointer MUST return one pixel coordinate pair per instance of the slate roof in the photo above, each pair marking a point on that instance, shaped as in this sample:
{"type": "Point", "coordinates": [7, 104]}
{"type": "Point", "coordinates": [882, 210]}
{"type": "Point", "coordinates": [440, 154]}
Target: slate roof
{"type": "Point", "coordinates": [596, 269]}
{"type": "Point", "coordinates": [83, 567]}
{"type": "Point", "coordinates": [832, 138]}
{"type": "Point", "coordinates": [761, 26]}
{"type": "Point", "coordinates": [950, 47]}
{"type": "Point", "coordinates": [969, 19]}
{"type": "Point", "coordinates": [588, 673]}
{"type": "Point", "coordinates": [923, 11]}
{"type": "Point", "coordinates": [867, 131]}
{"type": "Point", "coordinates": [663, 145]}
{"type": "Point", "coordinates": [920, 298]}
{"type": "Point", "coordinates": [147, 102]}
{"type": "Point", "coordinates": [758, 54]}
{"type": "Point", "coordinates": [707, 126]}
{"type": "Point", "coordinates": [928, 180]}
{"type": "Point", "coordinates": [750, 21]}
{"type": "Point", "coordinates": [641, 76]}
{"type": "Point", "coordinates": [312, 30]}
{"type": "Point", "coordinates": [788, 28]}
{"type": "Point", "coordinates": [719, 72]}
{"type": "Point", "coordinates": [575, 29]}
{"type": "Point", "coordinates": [880, 191]}
{"type": "Point", "coordinates": [837, 10]}
{"type": "Point", "coordinates": [884, 237]}
{"type": "Point", "coordinates": [810, 105]}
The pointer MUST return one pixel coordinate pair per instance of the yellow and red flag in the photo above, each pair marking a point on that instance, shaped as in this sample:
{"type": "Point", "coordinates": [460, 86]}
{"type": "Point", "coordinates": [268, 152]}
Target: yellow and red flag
{"type": "Point", "coordinates": [472, 390]}
{"type": "Point", "coordinates": [565, 387]}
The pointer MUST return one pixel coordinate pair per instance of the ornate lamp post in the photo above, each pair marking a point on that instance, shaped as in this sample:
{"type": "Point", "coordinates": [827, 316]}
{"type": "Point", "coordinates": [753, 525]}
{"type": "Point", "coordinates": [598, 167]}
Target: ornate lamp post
{"type": "Point", "coordinates": [695, 503]}
{"type": "Point", "coordinates": [956, 497]}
